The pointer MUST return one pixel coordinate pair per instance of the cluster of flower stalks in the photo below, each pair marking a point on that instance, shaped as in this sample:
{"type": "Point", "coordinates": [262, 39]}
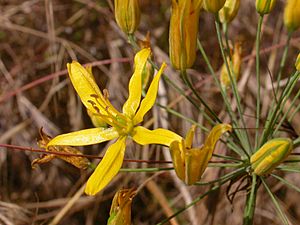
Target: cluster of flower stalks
{"type": "Point", "coordinates": [252, 155]}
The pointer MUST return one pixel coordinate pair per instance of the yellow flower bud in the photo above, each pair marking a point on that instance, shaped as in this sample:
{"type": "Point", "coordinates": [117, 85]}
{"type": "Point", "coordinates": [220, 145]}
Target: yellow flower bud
{"type": "Point", "coordinates": [292, 15]}
{"type": "Point", "coordinates": [120, 211]}
{"type": "Point", "coordinates": [264, 6]}
{"type": "Point", "coordinates": [236, 66]}
{"type": "Point", "coordinates": [127, 13]}
{"type": "Point", "coordinates": [270, 155]}
{"type": "Point", "coordinates": [229, 11]}
{"type": "Point", "coordinates": [190, 163]}
{"type": "Point", "coordinates": [183, 32]}
{"type": "Point", "coordinates": [297, 64]}
{"type": "Point", "coordinates": [213, 6]}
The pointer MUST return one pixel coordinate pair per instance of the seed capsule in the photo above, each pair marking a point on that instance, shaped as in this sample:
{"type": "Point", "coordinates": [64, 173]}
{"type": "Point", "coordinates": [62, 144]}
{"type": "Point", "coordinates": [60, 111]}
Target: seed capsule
{"type": "Point", "coordinates": [270, 155]}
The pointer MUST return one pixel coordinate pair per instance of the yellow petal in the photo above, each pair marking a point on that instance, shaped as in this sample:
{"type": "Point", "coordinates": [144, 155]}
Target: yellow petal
{"type": "Point", "coordinates": [178, 160]}
{"type": "Point", "coordinates": [87, 89]}
{"type": "Point", "coordinates": [143, 136]}
{"type": "Point", "coordinates": [189, 137]}
{"type": "Point", "coordinates": [107, 168]}
{"type": "Point", "coordinates": [150, 97]}
{"type": "Point", "coordinates": [135, 83]}
{"type": "Point", "coordinates": [85, 137]}
{"type": "Point", "coordinates": [210, 143]}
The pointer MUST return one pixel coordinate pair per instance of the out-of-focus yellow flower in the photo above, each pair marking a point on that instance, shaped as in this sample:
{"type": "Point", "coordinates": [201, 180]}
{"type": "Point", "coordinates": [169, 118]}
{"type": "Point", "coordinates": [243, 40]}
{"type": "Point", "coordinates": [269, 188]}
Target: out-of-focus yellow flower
{"type": "Point", "coordinates": [78, 161]}
{"type": "Point", "coordinates": [127, 13]}
{"type": "Point", "coordinates": [121, 125]}
{"type": "Point", "coordinates": [292, 15]}
{"type": "Point", "coordinates": [190, 163]}
{"type": "Point", "coordinates": [229, 11]}
{"type": "Point", "coordinates": [270, 155]}
{"type": "Point", "coordinates": [213, 6]}
{"type": "Point", "coordinates": [236, 66]}
{"type": "Point", "coordinates": [120, 211]}
{"type": "Point", "coordinates": [183, 32]}
{"type": "Point", "coordinates": [297, 64]}
{"type": "Point", "coordinates": [264, 6]}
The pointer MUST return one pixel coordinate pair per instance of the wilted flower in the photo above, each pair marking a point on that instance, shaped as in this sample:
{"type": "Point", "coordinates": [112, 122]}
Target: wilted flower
{"type": "Point", "coordinates": [121, 125]}
{"type": "Point", "coordinates": [190, 163]}
{"type": "Point", "coordinates": [292, 15]}
{"type": "Point", "coordinates": [213, 6]}
{"type": "Point", "coordinates": [77, 161]}
{"type": "Point", "coordinates": [236, 66]}
{"type": "Point", "coordinates": [229, 11]}
{"type": "Point", "coordinates": [264, 6]}
{"type": "Point", "coordinates": [127, 13]}
{"type": "Point", "coordinates": [120, 211]}
{"type": "Point", "coordinates": [270, 155]}
{"type": "Point", "coordinates": [183, 32]}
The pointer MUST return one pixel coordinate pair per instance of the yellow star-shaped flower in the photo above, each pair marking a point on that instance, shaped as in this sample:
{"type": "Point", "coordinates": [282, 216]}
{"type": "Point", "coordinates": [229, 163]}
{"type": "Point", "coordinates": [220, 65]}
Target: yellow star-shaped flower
{"type": "Point", "coordinates": [121, 125]}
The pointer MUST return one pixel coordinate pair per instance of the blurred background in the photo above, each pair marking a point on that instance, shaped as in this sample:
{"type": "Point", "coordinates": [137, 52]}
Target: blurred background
{"type": "Point", "coordinates": [38, 38]}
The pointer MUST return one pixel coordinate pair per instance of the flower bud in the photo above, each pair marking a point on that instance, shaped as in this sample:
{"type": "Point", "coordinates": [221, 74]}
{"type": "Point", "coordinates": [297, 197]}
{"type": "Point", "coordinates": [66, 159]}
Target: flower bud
{"type": "Point", "coordinates": [292, 15]}
{"type": "Point", "coordinates": [183, 33]}
{"type": "Point", "coordinates": [120, 211]}
{"type": "Point", "coordinates": [297, 64]}
{"type": "Point", "coordinates": [264, 6]}
{"type": "Point", "coordinates": [270, 155]}
{"type": "Point", "coordinates": [235, 65]}
{"type": "Point", "coordinates": [127, 13]}
{"type": "Point", "coordinates": [190, 163]}
{"type": "Point", "coordinates": [213, 6]}
{"type": "Point", "coordinates": [229, 11]}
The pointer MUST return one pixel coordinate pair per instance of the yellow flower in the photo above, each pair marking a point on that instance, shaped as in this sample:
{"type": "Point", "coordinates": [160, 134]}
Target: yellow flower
{"type": "Point", "coordinates": [183, 32]}
{"type": "Point", "coordinates": [213, 6]}
{"type": "Point", "coordinates": [120, 211]}
{"type": "Point", "coordinates": [292, 15]}
{"type": "Point", "coordinates": [121, 124]}
{"type": "Point", "coordinates": [264, 6]}
{"type": "Point", "coordinates": [229, 11]}
{"type": "Point", "coordinates": [190, 163]}
{"type": "Point", "coordinates": [127, 13]}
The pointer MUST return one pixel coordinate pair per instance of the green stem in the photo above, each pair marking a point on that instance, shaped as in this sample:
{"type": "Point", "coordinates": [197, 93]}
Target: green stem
{"type": "Point", "coordinates": [132, 41]}
{"type": "Point", "coordinates": [286, 113]}
{"type": "Point", "coordinates": [232, 116]}
{"type": "Point", "coordinates": [283, 60]}
{"type": "Point", "coordinates": [233, 85]}
{"type": "Point", "coordinates": [190, 85]}
{"type": "Point", "coordinates": [273, 116]}
{"type": "Point", "coordinates": [296, 142]}
{"type": "Point", "coordinates": [250, 203]}
{"type": "Point", "coordinates": [258, 34]}
{"type": "Point", "coordinates": [215, 188]}
{"type": "Point", "coordinates": [179, 115]}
